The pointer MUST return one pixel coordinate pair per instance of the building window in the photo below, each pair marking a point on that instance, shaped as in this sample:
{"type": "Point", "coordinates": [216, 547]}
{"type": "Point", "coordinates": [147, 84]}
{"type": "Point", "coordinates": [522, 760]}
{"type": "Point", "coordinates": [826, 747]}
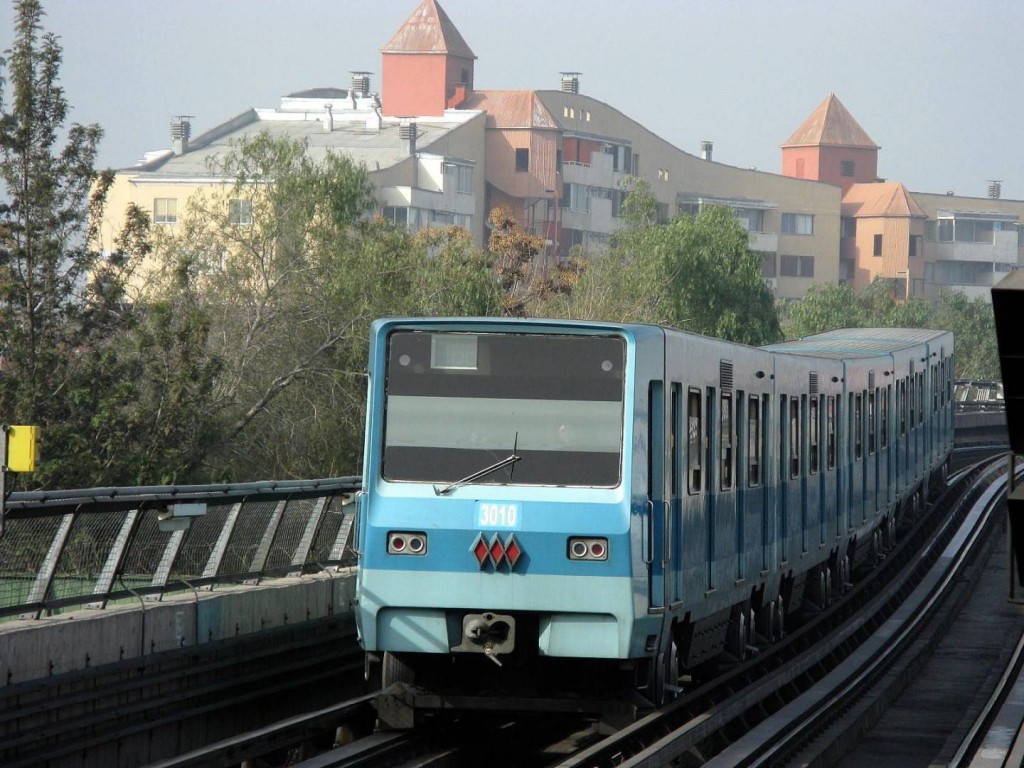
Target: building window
{"type": "Point", "coordinates": [846, 168]}
{"type": "Point", "coordinates": [877, 250]}
{"type": "Point", "coordinates": [464, 182]}
{"type": "Point", "coordinates": [240, 213]}
{"type": "Point", "coordinates": [165, 210]}
{"type": "Point", "coordinates": [847, 227]}
{"type": "Point", "coordinates": [768, 264]}
{"type": "Point", "coordinates": [522, 160]}
{"type": "Point", "coordinates": [916, 247]}
{"type": "Point", "coordinates": [796, 266]}
{"type": "Point", "coordinates": [797, 224]}
{"type": "Point", "coordinates": [397, 214]}
{"type": "Point", "coordinates": [441, 218]}
{"type": "Point", "coordinates": [576, 197]}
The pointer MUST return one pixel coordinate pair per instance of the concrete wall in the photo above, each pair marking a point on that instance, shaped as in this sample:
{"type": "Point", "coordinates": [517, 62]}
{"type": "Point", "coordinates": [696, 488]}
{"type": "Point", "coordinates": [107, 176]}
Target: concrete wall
{"type": "Point", "coordinates": [33, 649]}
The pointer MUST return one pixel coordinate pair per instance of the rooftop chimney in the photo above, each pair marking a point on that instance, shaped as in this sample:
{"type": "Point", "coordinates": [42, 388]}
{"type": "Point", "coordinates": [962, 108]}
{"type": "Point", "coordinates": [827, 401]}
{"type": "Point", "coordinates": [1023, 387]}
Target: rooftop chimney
{"type": "Point", "coordinates": [361, 83]}
{"type": "Point", "coordinates": [705, 149]}
{"type": "Point", "coordinates": [181, 130]}
{"type": "Point", "coordinates": [571, 82]}
{"type": "Point", "coordinates": [407, 132]}
{"type": "Point", "coordinates": [995, 188]}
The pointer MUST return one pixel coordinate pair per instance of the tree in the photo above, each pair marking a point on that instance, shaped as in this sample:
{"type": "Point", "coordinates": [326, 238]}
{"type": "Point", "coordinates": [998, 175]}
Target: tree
{"type": "Point", "coordinates": [974, 333]}
{"type": "Point", "coordinates": [61, 305]}
{"type": "Point", "coordinates": [288, 271]}
{"type": "Point", "coordinates": [825, 308]}
{"type": "Point", "coordinates": [695, 273]}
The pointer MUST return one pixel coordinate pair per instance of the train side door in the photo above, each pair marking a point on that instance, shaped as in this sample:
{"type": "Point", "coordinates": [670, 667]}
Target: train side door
{"type": "Point", "coordinates": [657, 522]}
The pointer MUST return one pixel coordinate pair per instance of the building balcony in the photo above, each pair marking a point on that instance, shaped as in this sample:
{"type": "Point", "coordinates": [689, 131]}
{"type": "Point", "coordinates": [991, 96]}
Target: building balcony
{"type": "Point", "coordinates": [1002, 250]}
{"type": "Point", "coordinates": [767, 242]}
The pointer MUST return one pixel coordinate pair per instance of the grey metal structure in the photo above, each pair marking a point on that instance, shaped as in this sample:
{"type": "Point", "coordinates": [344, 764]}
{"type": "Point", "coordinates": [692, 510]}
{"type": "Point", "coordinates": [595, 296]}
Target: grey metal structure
{"type": "Point", "coordinates": [88, 548]}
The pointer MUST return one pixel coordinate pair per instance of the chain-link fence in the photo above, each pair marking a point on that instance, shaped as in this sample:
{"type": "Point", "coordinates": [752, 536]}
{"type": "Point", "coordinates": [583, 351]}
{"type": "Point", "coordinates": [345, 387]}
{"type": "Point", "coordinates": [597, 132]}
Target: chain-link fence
{"type": "Point", "coordinates": [69, 549]}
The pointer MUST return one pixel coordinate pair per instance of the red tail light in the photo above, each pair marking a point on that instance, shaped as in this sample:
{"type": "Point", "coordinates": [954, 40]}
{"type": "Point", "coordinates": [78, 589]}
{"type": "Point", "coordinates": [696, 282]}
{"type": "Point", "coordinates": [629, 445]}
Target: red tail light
{"type": "Point", "coordinates": [407, 543]}
{"type": "Point", "coordinates": [589, 548]}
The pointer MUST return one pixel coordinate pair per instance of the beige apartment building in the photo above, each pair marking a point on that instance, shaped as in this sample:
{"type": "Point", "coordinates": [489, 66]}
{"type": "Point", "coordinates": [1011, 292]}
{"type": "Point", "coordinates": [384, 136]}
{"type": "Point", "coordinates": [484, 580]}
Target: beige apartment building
{"type": "Point", "coordinates": [441, 152]}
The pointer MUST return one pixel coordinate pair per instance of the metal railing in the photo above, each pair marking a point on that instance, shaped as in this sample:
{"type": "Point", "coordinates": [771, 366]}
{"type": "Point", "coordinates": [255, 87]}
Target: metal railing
{"type": "Point", "coordinates": [90, 548]}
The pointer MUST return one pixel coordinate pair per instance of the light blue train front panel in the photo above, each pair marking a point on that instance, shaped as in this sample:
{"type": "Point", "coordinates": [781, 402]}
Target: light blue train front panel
{"type": "Point", "coordinates": [495, 472]}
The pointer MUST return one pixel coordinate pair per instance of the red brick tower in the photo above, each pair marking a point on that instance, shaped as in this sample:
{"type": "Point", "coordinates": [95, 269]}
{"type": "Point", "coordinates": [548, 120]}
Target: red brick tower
{"type": "Point", "coordinates": [426, 67]}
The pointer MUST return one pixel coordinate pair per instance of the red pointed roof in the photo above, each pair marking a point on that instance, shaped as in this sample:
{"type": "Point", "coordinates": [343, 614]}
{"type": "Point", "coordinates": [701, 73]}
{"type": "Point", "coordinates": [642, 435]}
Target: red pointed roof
{"type": "Point", "coordinates": [512, 109]}
{"type": "Point", "coordinates": [880, 199]}
{"type": "Point", "coordinates": [830, 125]}
{"type": "Point", "coordinates": [429, 30]}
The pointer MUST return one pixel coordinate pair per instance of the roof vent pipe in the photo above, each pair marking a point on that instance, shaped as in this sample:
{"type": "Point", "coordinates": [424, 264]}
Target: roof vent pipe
{"type": "Point", "coordinates": [705, 149]}
{"type": "Point", "coordinates": [328, 118]}
{"type": "Point", "coordinates": [181, 130]}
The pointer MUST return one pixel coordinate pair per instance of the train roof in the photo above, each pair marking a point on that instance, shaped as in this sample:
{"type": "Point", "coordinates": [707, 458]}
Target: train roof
{"type": "Point", "coordinates": [857, 342]}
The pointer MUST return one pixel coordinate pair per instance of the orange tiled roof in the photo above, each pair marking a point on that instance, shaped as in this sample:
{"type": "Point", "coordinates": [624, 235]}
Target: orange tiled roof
{"type": "Point", "coordinates": [428, 30]}
{"type": "Point", "coordinates": [880, 199]}
{"type": "Point", "coordinates": [511, 109]}
{"type": "Point", "coordinates": [830, 125]}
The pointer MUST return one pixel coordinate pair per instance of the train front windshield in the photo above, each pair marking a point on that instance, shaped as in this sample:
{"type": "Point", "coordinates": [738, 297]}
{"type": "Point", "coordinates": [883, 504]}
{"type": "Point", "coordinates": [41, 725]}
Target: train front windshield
{"type": "Point", "coordinates": [457, 403]}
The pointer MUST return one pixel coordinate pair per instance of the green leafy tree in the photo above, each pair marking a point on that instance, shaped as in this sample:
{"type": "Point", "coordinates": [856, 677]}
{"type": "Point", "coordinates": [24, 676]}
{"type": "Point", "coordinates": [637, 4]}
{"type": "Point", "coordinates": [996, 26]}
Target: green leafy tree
{"type": "Point", "coordinates": [61, 303]}
{"type": "Point", "coordinates": [825, 308]}
{"type": "Point", "coordinates": [695, 273]}
{"type": "Point", "coordinates": [974, 332]}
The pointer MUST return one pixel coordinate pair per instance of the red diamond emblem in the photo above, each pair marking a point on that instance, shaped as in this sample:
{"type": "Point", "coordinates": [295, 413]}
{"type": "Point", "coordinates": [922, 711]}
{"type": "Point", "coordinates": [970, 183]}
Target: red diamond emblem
{"type": "Point", "coordinates": [479, 550]}
{"type": "Point", "coordinates": [496, 551]}
{"type": "Point", "coordinates": [512, 550]}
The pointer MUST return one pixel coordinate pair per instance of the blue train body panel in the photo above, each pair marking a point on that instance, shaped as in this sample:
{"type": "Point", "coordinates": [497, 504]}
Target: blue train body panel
{"type": "Point", "coordinates": [579, 490]}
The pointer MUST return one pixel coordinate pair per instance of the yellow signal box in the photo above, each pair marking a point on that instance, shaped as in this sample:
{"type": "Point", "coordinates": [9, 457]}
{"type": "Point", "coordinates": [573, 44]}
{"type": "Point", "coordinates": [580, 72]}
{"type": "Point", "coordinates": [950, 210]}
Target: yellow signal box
{"type": "Point", "coordinates": [21, 448]}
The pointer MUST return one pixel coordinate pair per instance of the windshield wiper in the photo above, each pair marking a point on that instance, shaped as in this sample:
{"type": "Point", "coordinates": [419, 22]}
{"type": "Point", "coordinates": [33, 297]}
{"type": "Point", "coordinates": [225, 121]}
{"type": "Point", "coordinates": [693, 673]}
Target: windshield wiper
{"type": "Point", "coordinates": [510, 459]}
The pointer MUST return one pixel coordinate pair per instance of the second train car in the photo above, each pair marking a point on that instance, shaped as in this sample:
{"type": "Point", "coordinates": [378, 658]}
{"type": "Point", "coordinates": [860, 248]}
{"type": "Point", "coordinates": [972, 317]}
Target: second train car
{"type": "Point", "coordinates": [553, 507]}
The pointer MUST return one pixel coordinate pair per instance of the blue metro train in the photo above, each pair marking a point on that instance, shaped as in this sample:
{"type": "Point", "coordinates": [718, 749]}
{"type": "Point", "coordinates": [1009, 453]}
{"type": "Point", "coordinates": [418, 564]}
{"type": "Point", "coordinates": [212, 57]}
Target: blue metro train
{"type": "Point", "coordinates": [553, 506]}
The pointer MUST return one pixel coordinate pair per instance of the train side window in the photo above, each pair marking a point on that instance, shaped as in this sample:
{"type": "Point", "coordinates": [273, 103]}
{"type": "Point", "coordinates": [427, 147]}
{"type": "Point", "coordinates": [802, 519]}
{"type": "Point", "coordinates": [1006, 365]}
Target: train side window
{"type": "Point", "coordinates": [921, 397]}
{"type": "Point", "coordinates": [912, 403]}
{"type": "Point", "coordinates": [871, 423]}
{"type": "Point", "coordinates": [830, 432]}
{"type": "Point", "coordinates": [884, 408]}
{"type": "Point", "coordinates": [753, 441]}
{"type": "Point", "coordinates": [858, 426]}
{"type": "Point", "coordinates": [901, 404]}
{"type": "Point", "coordinates": [814, 433]}
{"type": "Point", "coordinates": [725, 441]}
{"type": "Point", "coordinates": [794, 437]}
{"type": "Point", "coordinates": [676, 427]}
{"type": "Point", "coordinates": [694, 430]}
{"type": "Point", "coordinates": [935, 388]}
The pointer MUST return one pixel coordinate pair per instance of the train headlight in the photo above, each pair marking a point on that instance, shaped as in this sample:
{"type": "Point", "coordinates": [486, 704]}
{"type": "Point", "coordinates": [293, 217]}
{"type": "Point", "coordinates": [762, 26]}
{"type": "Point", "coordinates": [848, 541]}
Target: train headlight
{"type": "Point", "coordinates": [588, 548]}
{"type": "Point", "coordinates": [407, 543]}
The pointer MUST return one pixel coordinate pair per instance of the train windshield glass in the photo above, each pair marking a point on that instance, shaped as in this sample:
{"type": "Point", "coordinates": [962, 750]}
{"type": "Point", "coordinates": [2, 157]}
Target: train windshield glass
{"type": "Point", "coordinates": [459, 402]}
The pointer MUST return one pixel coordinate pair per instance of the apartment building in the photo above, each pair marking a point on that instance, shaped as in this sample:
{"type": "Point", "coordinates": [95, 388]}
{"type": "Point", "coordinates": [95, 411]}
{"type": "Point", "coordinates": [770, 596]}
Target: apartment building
{"type": "Point", "coordinates": [439, 151]}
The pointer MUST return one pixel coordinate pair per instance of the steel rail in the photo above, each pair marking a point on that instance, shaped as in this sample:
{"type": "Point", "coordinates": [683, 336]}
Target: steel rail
{"type": "Point", "coordinates": [793, 725]}
{"type": "Point", "coordinates": [687, 725]}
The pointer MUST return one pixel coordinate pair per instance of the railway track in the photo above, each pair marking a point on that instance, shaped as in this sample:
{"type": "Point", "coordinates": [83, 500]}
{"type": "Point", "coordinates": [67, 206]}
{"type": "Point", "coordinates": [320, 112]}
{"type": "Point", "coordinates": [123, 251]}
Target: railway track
{"type": "Point", "coordinates": [116, 710]}
{"type": "Point", "coordinates": [769, 709]}
{"type": "Point", "coordinates": [796, 702]}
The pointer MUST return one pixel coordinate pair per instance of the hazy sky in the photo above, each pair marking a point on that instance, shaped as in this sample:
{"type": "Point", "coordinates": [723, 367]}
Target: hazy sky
{"type": "Point", "coordinates": [937, 84]}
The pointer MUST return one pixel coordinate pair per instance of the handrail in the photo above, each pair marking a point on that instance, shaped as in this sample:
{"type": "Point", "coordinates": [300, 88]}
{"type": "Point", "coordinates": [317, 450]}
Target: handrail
{"type": "Point", "coordinates": [88, 547]}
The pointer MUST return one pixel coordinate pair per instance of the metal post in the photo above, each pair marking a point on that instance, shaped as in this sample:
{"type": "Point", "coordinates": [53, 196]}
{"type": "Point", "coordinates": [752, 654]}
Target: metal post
{"type": "Point", "coordinates": [1012, 570]}
{"type": "Point", "coordinates": [3, 478]}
